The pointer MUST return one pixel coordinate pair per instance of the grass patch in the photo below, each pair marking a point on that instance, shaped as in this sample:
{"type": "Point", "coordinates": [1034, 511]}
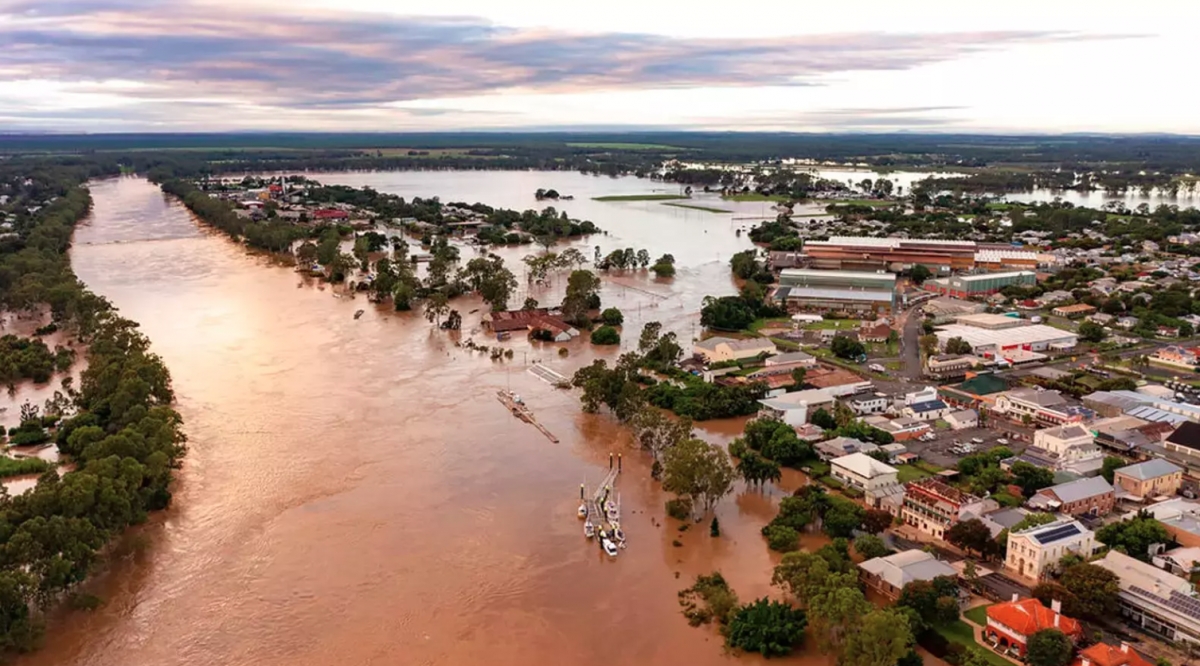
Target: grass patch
{"type": "Point", "coordinates": [894, 366]}
{"type": "Point", "coordinates": [819, 468]}
{"type": "Point", "coordinates": [625, 146]}
{"type": "Point", "coordinates": [639, 197]}
{"type": "Point", "coordinates": [754, 196]}
{"type": "Point", "coordinates": [1006, 500]}
{"type": "Point", "coordinates": [978, 615]}
{"type": "Point", "coordinates": [960, 632]}
{"type": "Point", "coordinates": [833, 324]}
{"type": "Point", "coordinates": [906, 473]}
{"type": "Point", "coordinates": [861, 202]}
{"type": "Point", "coordinates": [707, 209]}
{"type": "Point", "coordinates": [759, 324]}
{"type": "Point", "coordinates": [20, 466]}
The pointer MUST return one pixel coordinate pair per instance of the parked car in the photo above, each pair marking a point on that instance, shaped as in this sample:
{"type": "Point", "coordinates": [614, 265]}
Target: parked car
{"type": "Point", "coordinates": [976, 440]}
{"type": "Point", "coordinates": [1002, 442]}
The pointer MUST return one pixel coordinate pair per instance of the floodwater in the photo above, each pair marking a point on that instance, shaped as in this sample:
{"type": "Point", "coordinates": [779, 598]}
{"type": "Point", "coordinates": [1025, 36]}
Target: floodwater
{"type": "Point", "coordinates": [354, 492]}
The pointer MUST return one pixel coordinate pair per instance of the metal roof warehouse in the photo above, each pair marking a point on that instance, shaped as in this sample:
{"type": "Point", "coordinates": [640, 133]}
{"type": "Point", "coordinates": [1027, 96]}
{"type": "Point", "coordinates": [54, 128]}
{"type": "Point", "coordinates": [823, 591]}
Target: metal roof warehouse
{"type": "Point", "coordinates": [1030, 338]}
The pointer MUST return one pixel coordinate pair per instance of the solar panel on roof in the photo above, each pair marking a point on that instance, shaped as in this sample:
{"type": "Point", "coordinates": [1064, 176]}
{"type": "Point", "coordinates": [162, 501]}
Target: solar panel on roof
{"type": "Point", "coordinates": [1058, 533]}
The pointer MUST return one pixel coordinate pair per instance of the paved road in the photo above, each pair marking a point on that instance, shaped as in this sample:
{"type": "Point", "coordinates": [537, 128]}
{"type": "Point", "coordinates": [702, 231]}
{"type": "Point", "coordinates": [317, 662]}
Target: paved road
{"type": "Point", "coordinates": [910, 348]}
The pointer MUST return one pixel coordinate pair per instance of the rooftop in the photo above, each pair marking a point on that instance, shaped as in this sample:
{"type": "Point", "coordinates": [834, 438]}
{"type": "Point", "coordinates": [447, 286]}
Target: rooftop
{"type": "Point", "coordinates": [902, 568]}
{"type": "Point", "coordinates": [1039, 397]}
{"type": "Point", "coordinates": [1028, 616]}
{"type": "Point", "coordinates": [1151, 469]}
{"type": "Point", "coordinates": [848, 275]}
{"type": "Point", "coordinates": [992, 276]}
{"type": "Point", "coordinates": [863, 465]}
{"type": "Point", "coordinates": [1004, 337]}
{"type": "Point", "coordinates": [983, 384]}
{"type": "Point", "coordinates": [744, 344]}
{"type": "Point", "coordinates": [1059, 530]}
{"type": "Point", "coordinates": [826, 293]}
{"type": "Point", "coordinates": [1103, 654]}
{"type": "Point", "coordinates": [1073, 491]}
{"type": "Point", "coordinates": [927, 406]}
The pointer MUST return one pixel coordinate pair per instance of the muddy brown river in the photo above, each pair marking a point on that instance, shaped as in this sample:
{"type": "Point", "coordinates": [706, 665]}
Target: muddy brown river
{"type": "Point", "coordinates": [355, 494]}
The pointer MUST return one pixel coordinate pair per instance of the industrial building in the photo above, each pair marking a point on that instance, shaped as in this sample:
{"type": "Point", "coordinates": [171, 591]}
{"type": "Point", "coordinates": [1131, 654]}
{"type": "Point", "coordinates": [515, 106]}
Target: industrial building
{"type": "Point", "coordinates": [1008, 342]}
{"type": "Point", "coordinates": [982, 284]}
{"type": "Point", "coordinates": [802, 289]}
{"type": "Point", "coordinates": [898, 254]}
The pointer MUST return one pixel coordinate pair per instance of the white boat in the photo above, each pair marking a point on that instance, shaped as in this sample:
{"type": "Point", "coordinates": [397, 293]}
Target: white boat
{"type": "Point", "coordinates": [610, 548]}
{"type": "Point", "coordinates": [589, 530]}
{"type": "Point", "coordinates": [583, 511]}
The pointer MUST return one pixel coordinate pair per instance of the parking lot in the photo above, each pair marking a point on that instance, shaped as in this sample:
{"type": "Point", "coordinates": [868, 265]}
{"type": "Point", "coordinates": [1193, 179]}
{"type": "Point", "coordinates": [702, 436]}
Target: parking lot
{"type": "Point", "coordinates": [939, 451]}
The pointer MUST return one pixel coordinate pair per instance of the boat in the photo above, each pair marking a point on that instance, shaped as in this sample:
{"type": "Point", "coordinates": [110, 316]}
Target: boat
{"type": "Point", "coordinates": [359, 314]}
{"type": "Point", "coordinates": [619, 534]}
{"type": "Point", "coordinates": [583, 511]}
{"type": "Point", "coordinates": [589, 530]}
{"type": "Point", "coordinates": [610, 548]}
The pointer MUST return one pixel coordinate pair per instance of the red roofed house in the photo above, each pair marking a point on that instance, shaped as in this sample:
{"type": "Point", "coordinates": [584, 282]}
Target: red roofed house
{"type": "Point", "coordinates": [330, 214]}
{"type": "Point", "coordinates": [1102, 654]}
{"type": "Point", "coordinates": [1010, 624]}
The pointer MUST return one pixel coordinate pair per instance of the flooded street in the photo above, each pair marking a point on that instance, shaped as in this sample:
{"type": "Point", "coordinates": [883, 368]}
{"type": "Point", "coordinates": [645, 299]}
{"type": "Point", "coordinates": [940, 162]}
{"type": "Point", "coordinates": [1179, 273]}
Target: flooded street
{"type": "Point", "coordinates": [355, 494]}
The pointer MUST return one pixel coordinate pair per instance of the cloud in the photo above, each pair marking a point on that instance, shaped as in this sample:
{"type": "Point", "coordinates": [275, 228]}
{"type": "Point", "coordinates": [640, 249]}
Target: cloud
{"type": "Point", "coordinates": [192, 53]}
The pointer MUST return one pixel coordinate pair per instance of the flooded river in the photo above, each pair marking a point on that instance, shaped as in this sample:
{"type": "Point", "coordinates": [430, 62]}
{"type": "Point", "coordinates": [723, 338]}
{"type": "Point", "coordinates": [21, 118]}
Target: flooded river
{"type": "Point", "coordinates": [355, 494]}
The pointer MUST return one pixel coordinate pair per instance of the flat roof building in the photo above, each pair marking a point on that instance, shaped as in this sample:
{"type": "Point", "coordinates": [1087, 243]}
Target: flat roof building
{"type": "Point", "coordinates": [983, 284]}
{"type": "Point", "coordinates": [993, 322]}
{"type": "Point", "coordinates": [802, 289]}
{"type": "Point", "coordinates": [894, 254]}
{"type": "Point", "coordinates": [1155, 600]}
{"type": "Point", "coordinates": [1000, 343]}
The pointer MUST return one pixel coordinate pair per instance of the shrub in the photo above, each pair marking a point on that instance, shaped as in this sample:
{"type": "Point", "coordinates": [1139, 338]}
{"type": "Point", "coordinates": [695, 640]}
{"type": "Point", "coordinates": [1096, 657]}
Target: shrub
{"type": "Point", "coordinates": [612, 317]}
{"type": "Point", "coordinates": [606, 335]}
{"type": "Point", "coordinates": [564, 352]}
{"type": "Point", "coordinates": [679, 508]}
{"type": "Point", "coordinates": [771, 628]}
{"type": "Point", "coordinates": [781, 538]}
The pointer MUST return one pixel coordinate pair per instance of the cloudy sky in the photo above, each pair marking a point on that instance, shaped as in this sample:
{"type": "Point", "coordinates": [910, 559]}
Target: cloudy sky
{"type": "Point", "coordinates": [795, 65]}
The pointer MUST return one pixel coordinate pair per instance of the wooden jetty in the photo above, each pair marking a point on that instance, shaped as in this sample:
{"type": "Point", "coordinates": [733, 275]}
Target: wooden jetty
{"type": "Point", "coordinates": [521, 411]}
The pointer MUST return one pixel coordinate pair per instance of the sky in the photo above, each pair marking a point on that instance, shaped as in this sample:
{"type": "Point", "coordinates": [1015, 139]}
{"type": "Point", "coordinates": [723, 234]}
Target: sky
{"type": "Point", "coordinates": [1044, 66]}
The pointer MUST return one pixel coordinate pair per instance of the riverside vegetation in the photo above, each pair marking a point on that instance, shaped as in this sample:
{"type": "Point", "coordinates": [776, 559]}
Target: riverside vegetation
{"type": "Point", "coordinates": [118, 426]}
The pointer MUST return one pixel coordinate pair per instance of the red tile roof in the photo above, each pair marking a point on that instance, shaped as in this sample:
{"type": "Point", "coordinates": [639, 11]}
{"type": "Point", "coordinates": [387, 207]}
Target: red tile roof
{"type": "Point", "coordinates": [1102, 654]}
{"type": "Point", "coordinates": [1028, 616]}
{"type": "Point", "coordinates": [329, 213]}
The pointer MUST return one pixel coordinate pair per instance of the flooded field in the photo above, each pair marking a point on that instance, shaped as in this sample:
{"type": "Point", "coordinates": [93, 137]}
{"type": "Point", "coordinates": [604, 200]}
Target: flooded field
{"type": "Point", "coordinates": [355, 494]}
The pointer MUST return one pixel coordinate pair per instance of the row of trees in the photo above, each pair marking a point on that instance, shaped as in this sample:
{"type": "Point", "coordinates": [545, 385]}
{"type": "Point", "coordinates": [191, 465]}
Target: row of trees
{"type": "Point", "coordinates": [118, 428]}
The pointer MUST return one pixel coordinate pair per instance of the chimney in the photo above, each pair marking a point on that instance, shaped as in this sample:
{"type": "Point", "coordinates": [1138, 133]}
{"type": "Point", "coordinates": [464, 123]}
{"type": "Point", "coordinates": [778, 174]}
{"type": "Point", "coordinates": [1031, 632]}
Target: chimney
{"type": "Point", "coordinates": [1056, 616]}
{"type": "Point", "coordinates": [1124, 647]}
{"type": "Point", "coordinates": [1014, 597]}
{"type": "Point", "coordinates": [1084, 661]}
{"type": "Point", "coordinates": [1056, 605]}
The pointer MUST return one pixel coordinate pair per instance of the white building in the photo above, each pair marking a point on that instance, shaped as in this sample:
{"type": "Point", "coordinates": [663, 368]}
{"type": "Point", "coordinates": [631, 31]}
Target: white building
{"type": "Point", "coordinates": [1155, 600]}
{"type": "Point", "coordinates": [875, 479]}
{"type": "Point", "coordinates": [1034, 551]}
{"type": "Point", "coordinates": [1042, 406]}
{"type": "Point", "coordinates": [888, 575]}
{"type": "Point", "coordinates": [963, 419]}
{"type": "Point", "coordinates": [797, 407]}
{"type": "Point", "coordinates": [1071, 447]}
{"type": "Point", "coordinates": [875, 403]}
{"type": "Point", "coordinates": [718, 349]}
{"type": "Point", "coordinates": [999, 342]}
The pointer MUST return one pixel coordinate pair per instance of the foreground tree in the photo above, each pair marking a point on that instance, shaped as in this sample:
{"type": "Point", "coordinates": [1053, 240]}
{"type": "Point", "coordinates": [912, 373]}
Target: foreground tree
{"type": "Point", "coordinates": [583, 294]}
{"type": "Point", "coordinates": [971, 535]}
{"type": "Point", "coordinates": [1048, 647]}
{"type": "Point", "coordinates": [882, 638]}
{"type": "Point", "coordinates": [709, 599]}
{"type": "Point", "coordinates": [870, 546]}
{"type": "Point", "coordinates": [1094, 587]}
{"type": "Point", "coordinates": [771, 628]}
{"type": "Point", "coordinates": [699, 471]}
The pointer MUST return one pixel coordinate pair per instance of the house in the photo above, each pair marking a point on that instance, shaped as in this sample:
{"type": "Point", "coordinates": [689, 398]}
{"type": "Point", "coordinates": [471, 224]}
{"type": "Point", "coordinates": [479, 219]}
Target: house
{"type": "Point", "coordinates": [719, 349]}
{"type": "Point", "coordinates": [930, 410]}
{"type": "Point", "coordinates": [948, 366]}
{"type": "Point", "coordinates": [888, 575]}
{"type": "Point", "coordinates": [1184, 357]}
{"type": "Point", "coordinates": [1103, 654]}
{"type": "Point", "coordinates": [1069, 311]}
{"type": "Point", "coordinates": [1068, 448]}
{"type": "Point", "coordinates": [1151, 478]}
{"type": "Point", "coordinates": [842, 446]}
{"type": "Point", "coordinates": [329, 214]}
{"type": "Point", "coordinates": [797, 407]}
{"type": "Point", "coordinates": [1185, 440]}
{"type": "Point", "coordinates": [963, 419]}
{"type": "Point", "coordinates": [902, 429]}
{"type": "Point", "coordinates": [878, 332]}
{"type": "Point", "coordinates": [790, 360]}
{"type": "Point", "coordinates": [1011, 623]}
{"type": "Point", "coordinates": [861, 471]}
{"type": "Point", "coordinates": [1032, 552]}
{"type": "Point", "coordinates": [876, 403]}
{"type": "Point", "coordinates": [532, 319]}
{"type": "Point", "coordinates": [1168, 331]}
{"type": "Point", "coordinates": [933, 506]}
{"type": "Point", "coordinates": [557, 329]}
{"type": "Point", "coordinates": [894, 450]}
{"type": "Point", "coordinates": [1183, 561]}
{"type": "Point", "coordinates": [1181, 518]}
{"type": "Point", "coordinates": [1155, 600]}
{"type": "Point", "coordinates": [1091, 496]}
{"type": "Point", "coordinates": [1036, 405]}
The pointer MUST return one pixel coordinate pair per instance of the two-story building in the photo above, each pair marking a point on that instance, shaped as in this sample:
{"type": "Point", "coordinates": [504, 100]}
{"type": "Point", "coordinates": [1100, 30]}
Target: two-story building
{"type": "Point", "coordinates": [888, 575]}
{"type": "Point", "coordinates": [1011, 623]}
{"type": "Point", "coordinates": [719, 349]}
{"type": "Point", "coordinates": [1092, 496]}
{"type": "Point", "coordinates": [933, 506]}
{"type": "Point", "coordinates": [1032, 552]}
{"type": "Point", "coordinates": [875, 479]}
{"type": "Point", "coordinates": [1152, 478]}
{"type": "Point", "coordinates": [1041, 406]}
{"type": "Point", "coordinates": [1068, 447]}
{"type": "Point", "coordinates": [1155, 600]}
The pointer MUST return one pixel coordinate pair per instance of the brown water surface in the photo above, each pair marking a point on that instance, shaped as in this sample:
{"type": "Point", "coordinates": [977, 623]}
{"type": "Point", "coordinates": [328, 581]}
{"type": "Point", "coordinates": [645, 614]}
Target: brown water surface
{"type": "Point", "coordinates": [355, 494]}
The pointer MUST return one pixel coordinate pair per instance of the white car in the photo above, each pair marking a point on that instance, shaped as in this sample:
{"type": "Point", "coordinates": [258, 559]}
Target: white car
{"type": "Point", "coordinates": [976, 440]}
{"type": "Point", "coordinates": [1002, 442]}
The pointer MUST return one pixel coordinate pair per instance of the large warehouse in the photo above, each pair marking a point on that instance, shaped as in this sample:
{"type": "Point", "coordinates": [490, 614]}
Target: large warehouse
{"type": "Point", "coordinates": [983, 284]}
{"type": "Point", "coordinates": [899, 254]}
{"type": "Point", "coordinates": [996, 342]}
{"type": "Point", "coordinates": [806, 290]}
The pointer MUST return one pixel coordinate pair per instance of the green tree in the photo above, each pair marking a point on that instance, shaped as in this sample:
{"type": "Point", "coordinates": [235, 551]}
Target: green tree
{"type": "Point", "coordinates": [823, 419]}
{"type": "Point", "coordinates": [1111, 465]}
{"type": "Point", "coordinates": [699, 471]}
{"type": "Point", "coordinates": [970, 535]}
{"type": "Point", "coordinates": [876, 521]}
{"type": "Point", "coordinates": [836, 609]}
{"type": "Point", "coordinates": [772, 628]}
{"type": "Point", "coordinates": [1092, 332]}
{"type": "Point", "coordinates": [1134, 536]}
{"type": "Point", "coordinates": [957, 345]}
{"type": "Point", "coordinates": [583, 289]}
{"type": "Point", "coordinates": [488, 276]}
{"type": "Point", "coordinates": [934, 602]}
{"type": "Point", "coordinates": [1050, 591]}
{"type": "Point", "coordinates": [920, 273]}
{"type": "Point", "coordinates": [1049, 647]}
{"type": "Point", "coordinates": [1035, 519]}
{"type": "Point", "coordinates": [727, 313]}
{"type": "Point", "coordinates": [1031, 478]}
{"type": "Point", "coordinates": [842, 517]}
{"type": "Point", "coordinates": [606, 335]}
{"type": "Point", "coordinates": [709, 599]}
{"type": "Point", "coordinates": [612, 317]}
{"type": "Point", "coordinates": [845, 347]}
{"type": "Point", "coordinates": [870, 546]}
{"type": "Point", "coordinates": [882, 638]}
{"type": "Point", "coordinates": [1095, 589]}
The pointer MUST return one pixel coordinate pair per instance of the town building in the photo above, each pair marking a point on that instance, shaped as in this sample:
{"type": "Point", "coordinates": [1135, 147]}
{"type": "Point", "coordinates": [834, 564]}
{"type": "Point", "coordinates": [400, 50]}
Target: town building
{"type": "Point", "coordinates": [893, 254]}
{"type": "Point", "coordinates": [901, 429]}
{"type": "Point", "coordinates": [948, 367]}
{"type": "Point", "coordinates": [1152, 478]}
{"type": "Point", "coordinates": [1185, 440]}
{"type": "Point", "coordinates": [933, 506]}
{"type": "Point", "coordinates": [963, 419]}
{"type": "Point", "coordinates": [1183, 561]}
{"type": "Point", "coordinates": [1155, 600]}
{"type": "Point", "coordinates": [946, 310]}
{"type": "Point", "coordinates": [874, 403]}
{"type": "Point", "coordinates": [719, 349]}
{"type": "Point", "coordinates": [888, 575]}
{"type": "Point", "coordinates": [1128, 435]}
{"type": "Point", "coordinates": [797, 407]}
{"type": "Point", "coordinates": [1067, 448]}
{"type": "Point", "coordinates": [839, 447]}
{"type": "Point", "coordinates": [1092, 496]}
{"type": "Point", "coordinates": [929, 410]}
{"type": "Point", "coordinates": [1009, 343]}
{"type": "Point", "coordinates": [530, 320]}
{"type": "Point", "coordinates": [977, 392]}
{"type": "Point", "coordinates": [1173, 355]}
{"type": "Point", "coordinates": [1142, 405]}
{"type": "Point", "coordinates": [1034, 551]}
{"type": "Point", "coordinates": [1180, 516]}
{"type": "Point", "coordinates": [976, 286]}
{"type": "Point", "coordinates": [1070, 311]}
{"type": "Point", "coordinates": [993, 322]}
{"type": "Point", "coordinates": [1103, 654]}
{"type": "Point", "coordinates": [1037, 405]}
{"type": "Point", "coordinates": [859, 470]}
{"type": "Point", "coordinates": [802, 289]}
{"type": "Point", "coordinates": [1011, 623]}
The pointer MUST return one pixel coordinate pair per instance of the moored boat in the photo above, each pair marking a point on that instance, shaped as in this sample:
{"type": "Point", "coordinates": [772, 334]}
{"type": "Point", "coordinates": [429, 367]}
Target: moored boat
{"type": "Point", "coordinates": [589, 530]}
{"type": "Point", "coordinates": [610, 548]}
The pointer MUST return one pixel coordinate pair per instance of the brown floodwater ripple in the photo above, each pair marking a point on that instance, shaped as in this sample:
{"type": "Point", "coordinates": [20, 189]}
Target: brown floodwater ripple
{"type": "Point", "coordinates": [355, 494]}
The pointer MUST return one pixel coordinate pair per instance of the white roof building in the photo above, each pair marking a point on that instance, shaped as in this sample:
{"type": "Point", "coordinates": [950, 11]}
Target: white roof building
{"type": "Point", "coordinates": [718, 349]}
{"type": "Point", "coordinates": [1154, 599]}
{"type": "Point", "coordinates": [1035, 338]}
{"type": "Point", "coordinates": [890, 574]}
